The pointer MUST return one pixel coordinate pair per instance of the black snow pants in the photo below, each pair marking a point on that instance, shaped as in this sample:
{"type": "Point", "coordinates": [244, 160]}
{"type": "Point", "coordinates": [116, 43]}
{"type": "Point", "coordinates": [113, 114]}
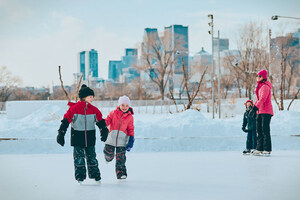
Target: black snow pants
{"type": "Point", "coordinates": [109, 153]}
{"type": "Point", "coordinates": [251, 139]}
{"type": "Point", "coordinates": [81, 154]}
{"type": "Point", "coordinates": [263, 132]}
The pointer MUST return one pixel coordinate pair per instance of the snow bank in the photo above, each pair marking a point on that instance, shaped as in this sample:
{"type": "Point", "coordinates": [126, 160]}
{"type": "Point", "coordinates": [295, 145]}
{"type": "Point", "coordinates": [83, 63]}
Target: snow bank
{"type": "Point", "coordinates": [186, 131]}
{"type": "Point", "coordinates": [21, 109]}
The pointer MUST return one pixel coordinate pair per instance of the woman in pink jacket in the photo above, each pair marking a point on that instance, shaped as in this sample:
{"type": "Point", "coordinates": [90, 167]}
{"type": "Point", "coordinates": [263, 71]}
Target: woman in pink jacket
{"type": "Point", "coordinates": [121, 135]}
{"type": "Point", "coordinates": [264, 109]}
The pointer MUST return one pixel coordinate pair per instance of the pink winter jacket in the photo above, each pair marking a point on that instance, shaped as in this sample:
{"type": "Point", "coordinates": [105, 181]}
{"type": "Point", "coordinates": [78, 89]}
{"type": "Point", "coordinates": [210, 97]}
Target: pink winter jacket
{"type": "Point", "coordinates": [120, 126]}
{"type": "Point", "coordinates": [263, 101]}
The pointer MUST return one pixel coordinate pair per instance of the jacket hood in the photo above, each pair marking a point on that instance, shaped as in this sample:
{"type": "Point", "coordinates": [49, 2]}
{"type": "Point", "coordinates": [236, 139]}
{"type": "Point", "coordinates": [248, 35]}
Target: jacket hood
{"type": "Point", "coordinates": [130, 110]}
{"type": "Point", "coordinates": [268, 83]}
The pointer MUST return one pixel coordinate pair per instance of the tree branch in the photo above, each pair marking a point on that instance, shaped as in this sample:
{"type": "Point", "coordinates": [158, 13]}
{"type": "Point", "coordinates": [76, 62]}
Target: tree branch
{"type": "Point", "coordinates": [62, 85]}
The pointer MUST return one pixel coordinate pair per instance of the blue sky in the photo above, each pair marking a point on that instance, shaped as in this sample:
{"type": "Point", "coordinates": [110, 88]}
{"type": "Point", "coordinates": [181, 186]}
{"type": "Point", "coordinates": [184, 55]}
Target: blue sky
{"type": "Point", "coordinates": [38, 35]}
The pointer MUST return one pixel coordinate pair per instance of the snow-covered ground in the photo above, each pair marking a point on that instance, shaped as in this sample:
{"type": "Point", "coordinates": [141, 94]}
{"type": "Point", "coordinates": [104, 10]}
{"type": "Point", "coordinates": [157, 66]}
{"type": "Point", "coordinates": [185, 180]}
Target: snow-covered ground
{"type": "Point", "coordinates": [186, 131]}
{"type": "Point", "coordinates": [176, 156]}
{"type": "Point", "coordinates": [161, 176]}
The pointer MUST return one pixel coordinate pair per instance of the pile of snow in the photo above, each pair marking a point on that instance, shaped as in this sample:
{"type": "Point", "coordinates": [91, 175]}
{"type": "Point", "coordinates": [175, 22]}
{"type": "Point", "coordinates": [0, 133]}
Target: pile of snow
{"type": "Point", "coordinates": [185, 131]}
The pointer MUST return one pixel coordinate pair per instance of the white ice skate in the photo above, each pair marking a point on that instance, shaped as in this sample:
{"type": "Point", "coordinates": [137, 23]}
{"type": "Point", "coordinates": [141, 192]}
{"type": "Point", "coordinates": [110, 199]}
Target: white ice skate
{"type": "Point", "coordinates": [122, 178]}
{"type": "Point", "coordinates": [257, 153]}
{"type": "Point", "coordinates": [266, 153]}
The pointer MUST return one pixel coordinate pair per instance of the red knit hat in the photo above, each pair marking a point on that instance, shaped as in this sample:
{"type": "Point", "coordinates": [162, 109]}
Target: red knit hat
{"type": "Point", "coordinates": [263, 73]}
{"type": "Point", "coordinates": [248, 101]}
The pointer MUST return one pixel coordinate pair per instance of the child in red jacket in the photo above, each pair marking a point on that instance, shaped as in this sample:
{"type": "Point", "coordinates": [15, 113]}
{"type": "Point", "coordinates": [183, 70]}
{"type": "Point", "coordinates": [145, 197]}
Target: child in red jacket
{"type": "Point", "coordinates": [121, 135]}
{"type": "Point", "coordinates": [83, 116]}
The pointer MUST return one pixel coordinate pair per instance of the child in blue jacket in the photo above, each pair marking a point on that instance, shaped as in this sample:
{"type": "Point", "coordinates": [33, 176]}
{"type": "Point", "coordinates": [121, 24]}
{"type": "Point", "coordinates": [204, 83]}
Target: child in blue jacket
{"type": "Point", "coordinates": [249, 127]}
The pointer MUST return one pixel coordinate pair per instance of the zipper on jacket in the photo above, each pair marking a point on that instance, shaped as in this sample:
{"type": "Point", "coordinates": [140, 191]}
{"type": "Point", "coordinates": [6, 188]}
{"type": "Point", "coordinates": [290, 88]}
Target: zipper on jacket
{"type": "Point", "coordinates": [85, 124]}
{"type": "Point", "coordinates": [119, 130]}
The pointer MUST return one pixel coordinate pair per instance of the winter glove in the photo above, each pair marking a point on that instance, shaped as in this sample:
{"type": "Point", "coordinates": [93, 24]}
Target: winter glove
{"type": "Point", "coordinates": [245, 130]}
{"type": "Point", "coordinates": [130, 143]}
{"type": "Point", "coordinates": [103, 129]}
{"type": "Point", "coordinates": [60, 139]}
{"type": "Point", "coordinates": [62, 131]}
{"type": "Point", "coordinates": [104, 134]}
{"type": "Point", "coordinates": [253, 111]}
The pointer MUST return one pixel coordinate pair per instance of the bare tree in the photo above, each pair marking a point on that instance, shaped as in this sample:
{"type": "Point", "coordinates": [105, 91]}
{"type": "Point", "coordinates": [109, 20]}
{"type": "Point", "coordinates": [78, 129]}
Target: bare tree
{"type": "Point", "coordinates": [286, 54]}
{"type": "Point", "coordinates": [73, 95]}
{"type": "Point", "coordinates": [158, 57]}
{"type": "Point", "coordinates": [7, 83]}
{"type": "Point", "coordinates": [191, 89]}
{"type": "Point", "coordinates": [251, 57]}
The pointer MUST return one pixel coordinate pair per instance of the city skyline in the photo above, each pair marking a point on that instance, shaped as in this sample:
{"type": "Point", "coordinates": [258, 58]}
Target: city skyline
{"type": "Point", "coordinates": [36, 37]}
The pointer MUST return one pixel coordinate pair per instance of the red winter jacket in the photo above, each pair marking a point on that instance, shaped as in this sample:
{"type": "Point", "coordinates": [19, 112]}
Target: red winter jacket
{"type": "Point", "coordinates": [263, 94]}
{"type": "Point", "coordinates": [83, 117]}
{"type": "Point", "coordinates": [120, 127]}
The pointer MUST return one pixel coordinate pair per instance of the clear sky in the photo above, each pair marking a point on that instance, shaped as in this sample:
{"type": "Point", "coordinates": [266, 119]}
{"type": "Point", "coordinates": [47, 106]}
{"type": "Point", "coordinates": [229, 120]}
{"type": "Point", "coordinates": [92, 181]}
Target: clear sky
{"type": "Point", "coordinates": [38, 35]}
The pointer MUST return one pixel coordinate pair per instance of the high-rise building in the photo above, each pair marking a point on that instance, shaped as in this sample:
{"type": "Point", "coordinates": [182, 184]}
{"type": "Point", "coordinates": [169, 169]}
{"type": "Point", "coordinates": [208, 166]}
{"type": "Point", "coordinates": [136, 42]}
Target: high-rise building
{"type": "Point", "coordinates": [88, 64]}
{"type": "Point", "coordinates": [114, 69]}
{"type": "Point", "coordinates": [124, 70]}
{"type": "Point", "coordinates": [224, 45]}
{"type": "Point", "coordinates": [178, 43]}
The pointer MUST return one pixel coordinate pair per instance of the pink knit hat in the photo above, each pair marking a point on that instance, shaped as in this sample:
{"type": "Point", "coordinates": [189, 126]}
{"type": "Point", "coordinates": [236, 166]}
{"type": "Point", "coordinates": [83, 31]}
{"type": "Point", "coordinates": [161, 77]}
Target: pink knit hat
{"type": "Point", "coordinates": [249, 101]}
{"type": "Point", "coordinates": [124, 100]}
{"type": "Point", "coordinates": [263, 73]}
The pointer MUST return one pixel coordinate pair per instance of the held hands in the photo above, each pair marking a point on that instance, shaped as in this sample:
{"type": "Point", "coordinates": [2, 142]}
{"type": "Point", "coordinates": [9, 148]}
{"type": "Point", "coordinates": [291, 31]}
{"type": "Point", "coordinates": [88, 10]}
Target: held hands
{"type": "Point", "coordinates": [253, 112]}
{"type": "Point", "coordinates": [130, 143]}
{"type": "Point", "coordinates": [245, 130]}
{"type": "Point", "coordinates": [103, 129]}
{"type": "Point", "coordinates": [104, 134]}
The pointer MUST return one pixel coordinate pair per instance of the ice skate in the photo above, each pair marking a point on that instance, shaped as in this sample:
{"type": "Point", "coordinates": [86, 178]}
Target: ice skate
{"type": "Point", "coordinates": [246, 152]}
{"type": "Point", "coordinates": [123, 177]}
{"type": "Point", "coordinates": [257, 153]}
{"type": "Point", "coordinates": [266, 153]}
{"type": "Point", "coordinates": [98, 180]}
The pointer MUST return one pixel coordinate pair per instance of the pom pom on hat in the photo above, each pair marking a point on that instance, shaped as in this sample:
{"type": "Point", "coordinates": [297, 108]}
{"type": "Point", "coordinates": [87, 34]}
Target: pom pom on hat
{"type": "Point", "coordinates": [124, 100]}
{"type": "Point", "coordinates": [85, 91]}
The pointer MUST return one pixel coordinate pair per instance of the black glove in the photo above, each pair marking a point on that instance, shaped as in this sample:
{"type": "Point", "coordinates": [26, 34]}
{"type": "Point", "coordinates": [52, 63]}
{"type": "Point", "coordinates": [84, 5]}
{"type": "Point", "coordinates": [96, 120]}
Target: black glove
{"type": "Point", "coordinates": [104, 134]}
{"type": "Point", "coordinates": [245, 130]}
{"type": "Point", "coordinates": [60, 139]}
{"type": "Point", "coordinates": [253, 112]}
{"type": "Point", "coordinates": [103, 129]}
{"type": "Point", "coordinates": [62, 132]}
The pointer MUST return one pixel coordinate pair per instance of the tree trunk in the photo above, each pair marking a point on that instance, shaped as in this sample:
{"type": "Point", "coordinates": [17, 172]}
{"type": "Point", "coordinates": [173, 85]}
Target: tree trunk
{"type": "Point", "coordinates": [162, 92]}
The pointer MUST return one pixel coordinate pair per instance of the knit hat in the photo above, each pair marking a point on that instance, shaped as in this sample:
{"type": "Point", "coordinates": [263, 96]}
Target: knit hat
{"type": "Point", "coordinates": [124, 100]}
{"type": "Point", "coordinates": [263, 73]}
{"type": "Point", "coordinates": [85, 91]}
{"type": "Point", "coordinates": [249, 101]}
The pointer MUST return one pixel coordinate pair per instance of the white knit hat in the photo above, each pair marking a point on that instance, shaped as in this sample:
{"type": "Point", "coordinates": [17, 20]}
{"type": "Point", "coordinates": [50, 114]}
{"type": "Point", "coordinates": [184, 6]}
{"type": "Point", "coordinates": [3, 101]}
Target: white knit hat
{"type": "Point", "coordinates": [124, 100]}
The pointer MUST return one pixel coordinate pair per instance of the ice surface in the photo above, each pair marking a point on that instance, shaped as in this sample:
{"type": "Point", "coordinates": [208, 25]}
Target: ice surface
{"type": "Point", "coordinates": [180, 175]}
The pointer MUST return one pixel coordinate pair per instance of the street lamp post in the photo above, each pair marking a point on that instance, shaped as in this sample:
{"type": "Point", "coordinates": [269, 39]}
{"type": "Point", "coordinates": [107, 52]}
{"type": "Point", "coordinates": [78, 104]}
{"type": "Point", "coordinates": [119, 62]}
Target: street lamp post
{"type": "Point", "coordinates": [275, 17]}
{"type": "Point", "coordinates": [211, 24]}
{"type": "Point", "coordinates": [219, 75]}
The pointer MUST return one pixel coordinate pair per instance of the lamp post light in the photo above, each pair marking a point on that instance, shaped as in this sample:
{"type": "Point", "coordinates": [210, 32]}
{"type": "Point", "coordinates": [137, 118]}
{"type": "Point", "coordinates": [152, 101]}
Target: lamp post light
{"type": "Point", "coordinates": [211, 32]}
{"type": "Point", "coordinates": [275, 17]}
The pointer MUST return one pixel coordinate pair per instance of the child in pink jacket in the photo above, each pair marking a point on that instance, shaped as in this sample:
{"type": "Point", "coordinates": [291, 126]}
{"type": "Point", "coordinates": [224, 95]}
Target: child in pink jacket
{"type": "Point", "coordinates": [121, 135]}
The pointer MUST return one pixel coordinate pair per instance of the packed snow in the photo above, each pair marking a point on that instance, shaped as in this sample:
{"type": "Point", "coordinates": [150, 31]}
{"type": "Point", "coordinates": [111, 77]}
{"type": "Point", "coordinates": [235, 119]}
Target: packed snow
{"type": "Point", "coordinates": [182, 155]}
